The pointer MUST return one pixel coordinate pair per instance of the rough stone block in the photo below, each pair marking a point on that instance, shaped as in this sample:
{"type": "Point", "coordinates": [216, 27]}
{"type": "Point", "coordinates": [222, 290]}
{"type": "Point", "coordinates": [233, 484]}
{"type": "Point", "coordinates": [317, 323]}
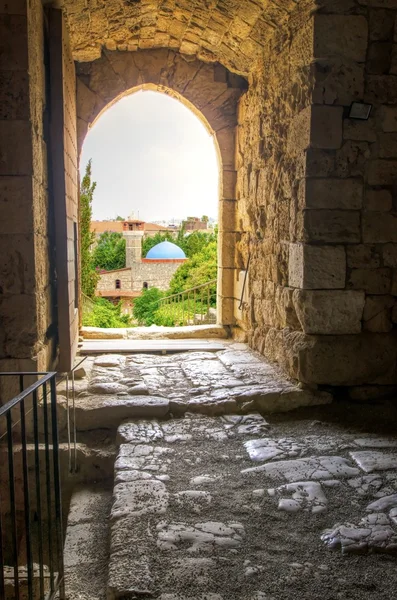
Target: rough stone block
{"type": "Point", "coordinates": [388, 116]}
{"type": "Point", "coordinates": [363, 256]}
{"type": "Point", "coordinates": [335, 226]}
{"type": "Point", "coordinates": [318, 163]}
{"type": "Point", "coordinates": [332, 193]}
{"type": "Point", "coordinates": [379, 58]}
{"type": "Point", "coordinates": [378, 200]}
{"type": "Point", "coordinates": [388, 145]}
{"type": "Point", "coordinates": [362, 131]}
{"type": "Point", "coordinates": [13, 34]}
{"type": "Point", "coordinates": [367, 358]}
{"type": "Point", "coordinates": [227, 215]}
{"type": "Point", "coordinates": [381, 25]}
{"type": "Point", "coordinates": [337, 81]}
{"type": "Point", "coordinates": [16, 200]}
{"type": "Point", "coordinates": [16, 149]}
{"type": "Point", "coordinates": [372, 281]}
{"type": "Point", "coordinates": [326, 127]}
{"type": "Point", "coordinates": [227, 250]}
{"type": "Point", "coordinates": [379, 227]}
{"type": "Point", "coordinates": [329, 312]}
{"type": "Point", "coordinates": [377, 313]}
{"type": "Point", "coordinates": [382, 172]}
{"type": "Point", "coordinates": [340, 35]}
{"type": "Point", "coordinates": [381, 89]}
{"type": "Point", "coordinates": [389, 253]}
{"type": "Point", "coordinates": [299, 131]}
{"type": "Point", "coordinates": [18, 318]}
{"type": "Point", "coordinates": [17, 266]}
{"type": "Point", "coordinates": [317, 267]}
{"type": "Point", "coordinates": [226, 139]}
{"type": "Point", "coordinates": [229, 179]}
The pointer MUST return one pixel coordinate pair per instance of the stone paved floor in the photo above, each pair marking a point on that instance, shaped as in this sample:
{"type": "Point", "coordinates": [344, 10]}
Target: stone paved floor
{"type": "Point", "coordinates": [233, 380]}
{"type": "Point", "coordinates": [232, 508]}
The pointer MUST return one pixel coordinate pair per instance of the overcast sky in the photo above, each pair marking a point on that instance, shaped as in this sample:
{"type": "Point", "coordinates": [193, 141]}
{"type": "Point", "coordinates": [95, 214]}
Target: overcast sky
{"type": "Point", "coordinates": [151, 155]}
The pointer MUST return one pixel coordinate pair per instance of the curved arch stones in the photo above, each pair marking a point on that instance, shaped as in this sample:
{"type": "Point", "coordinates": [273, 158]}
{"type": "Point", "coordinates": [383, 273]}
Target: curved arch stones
{"type": "Point", "coordinates": [210, 91]}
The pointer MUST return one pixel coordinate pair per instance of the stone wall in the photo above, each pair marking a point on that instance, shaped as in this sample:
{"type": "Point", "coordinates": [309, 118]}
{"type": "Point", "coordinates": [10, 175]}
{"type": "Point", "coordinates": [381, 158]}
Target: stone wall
{"type": "Point", "coordinates": [107, 281]}
{"type": "Point", "coordinates": [26, 341]}
{"type": "Point", "coordinates": [209, 90]}
{"type": "Point", "coordinates": [317, 198]}
{"type": "Point", "coordinates": [154, 274]}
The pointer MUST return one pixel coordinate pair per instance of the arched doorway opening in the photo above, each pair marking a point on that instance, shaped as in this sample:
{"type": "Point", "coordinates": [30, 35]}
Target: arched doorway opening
{"type": "Point", "coordinates": [209, 91]}
{"type": "Point", "coordinates": [156, 170]}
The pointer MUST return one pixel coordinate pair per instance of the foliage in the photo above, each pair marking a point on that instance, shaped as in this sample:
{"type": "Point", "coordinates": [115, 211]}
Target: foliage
{"type": "Point", "coordinates": [157, 238]}
{"type": "Point", "coordinates": [118, 218]}
{"type": "Point", "coordinates": [199, 269]}
{"type": "Point", "coordinates": [145, 306]}
{"type": "Point", "coordinates": [196, 241]}
{"type": "Point", "coordinates": [204, 219]}
{"type": "Point", "coordinates": [175, 315]}
{"type": "Point", "coordinates": [109, 253]}
{"type": "Point", "coordinates": [89, 277]}
{"type": "Point", "coordinates": [105, 314]}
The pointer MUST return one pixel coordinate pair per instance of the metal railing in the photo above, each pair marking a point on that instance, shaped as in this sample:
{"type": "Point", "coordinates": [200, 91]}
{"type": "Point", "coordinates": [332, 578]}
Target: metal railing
{"type": "Point", "coordinates": [87, 305]}
{"type": "Point", "coordinates": [71, 424]}
{"type": "Point", "coordinates": [195, 306]}
{"type": "Point", "coordinates": [31, 536]}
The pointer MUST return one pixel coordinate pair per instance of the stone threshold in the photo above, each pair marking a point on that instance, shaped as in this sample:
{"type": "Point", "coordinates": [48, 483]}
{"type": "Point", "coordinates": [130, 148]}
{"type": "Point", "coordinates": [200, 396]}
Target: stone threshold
{"type": "Point", "coordinates": [156, 332]}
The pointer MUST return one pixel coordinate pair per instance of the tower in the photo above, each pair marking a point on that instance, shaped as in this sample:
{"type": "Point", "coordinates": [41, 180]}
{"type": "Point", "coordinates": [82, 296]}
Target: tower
{"type": "Point", "coordinates": [133, 233]}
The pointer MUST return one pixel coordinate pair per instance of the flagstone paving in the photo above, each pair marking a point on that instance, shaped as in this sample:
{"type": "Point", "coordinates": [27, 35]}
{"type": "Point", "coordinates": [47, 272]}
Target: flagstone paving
{"type": "Point", "coordinates": [232, 380]}
{"type": "Point", "coordinates": [233, 508]}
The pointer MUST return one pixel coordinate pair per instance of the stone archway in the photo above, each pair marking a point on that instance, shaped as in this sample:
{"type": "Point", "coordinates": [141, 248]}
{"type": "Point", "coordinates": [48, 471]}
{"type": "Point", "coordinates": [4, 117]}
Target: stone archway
{"type": "Point", "coordinates": [210, 91]}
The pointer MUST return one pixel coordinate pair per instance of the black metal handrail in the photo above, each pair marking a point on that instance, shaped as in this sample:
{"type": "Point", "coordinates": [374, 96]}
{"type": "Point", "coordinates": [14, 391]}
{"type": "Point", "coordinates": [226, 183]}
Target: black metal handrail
{"type": "Point", "coordinates": [32, 479]}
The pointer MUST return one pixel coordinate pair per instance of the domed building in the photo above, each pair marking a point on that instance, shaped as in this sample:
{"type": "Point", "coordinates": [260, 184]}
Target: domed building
{"type": "Point", "coordinates": [155, 270]}
{"type": "Point", "coordinates": [166, 251]}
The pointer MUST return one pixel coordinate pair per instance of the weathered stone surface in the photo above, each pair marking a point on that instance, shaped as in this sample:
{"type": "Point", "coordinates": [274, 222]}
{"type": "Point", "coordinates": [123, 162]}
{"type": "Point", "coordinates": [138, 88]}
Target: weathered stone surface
{"type": "Point", "coordinates": [363, 256]}
{"type": "Point", "coordinates": [379, 227]}
{"type": "Point", "coordinates": [331, 226]}
{"type": "Point", "coordinates": [389, 118]}
{"type": "Point", "coordinates": [339, 360]}
{"type": "Point", "coordinates": [329, 312]}
{"type": "Point", "coordinates": [324, 467]}
{"type": "Point", "coordinates": [378, 200]}
{"type": "Point", "coordinates": [377, 313]}
{"type": "Point", "coordinates": [369, 460]}
{"type": "Point", "coordinates": [317, 267]}
{"type": "Point", "coordinates": [340, 35]}
{"type": "Point", "coordinates": [326, 127]}
{"type": "Point", "coordinates": [332, 193]}
{"type": "Point", "coordinates": [382, 172]}
{"type": "Point", "coordinates": [373, 281]}
{"type": "Point", "coordinates": [306, 495]}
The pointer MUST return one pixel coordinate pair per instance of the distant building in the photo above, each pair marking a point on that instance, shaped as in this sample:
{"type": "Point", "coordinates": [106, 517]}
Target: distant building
{"type": "Point", "coordinates": [149, 229]}
{"type": "Point", "coordinates": [195, 224]}
{"type": "Point", "coordinates": [156, 270]}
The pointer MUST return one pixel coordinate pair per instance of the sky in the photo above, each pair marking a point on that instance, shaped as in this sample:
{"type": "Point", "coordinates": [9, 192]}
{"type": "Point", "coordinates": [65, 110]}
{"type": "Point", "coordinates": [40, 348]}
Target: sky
{"type": "Point", "coordinates": [151, 155]}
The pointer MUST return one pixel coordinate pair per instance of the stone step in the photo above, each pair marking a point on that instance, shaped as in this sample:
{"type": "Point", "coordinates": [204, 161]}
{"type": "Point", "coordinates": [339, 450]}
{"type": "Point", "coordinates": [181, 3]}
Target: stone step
{"type": "Point", "coordinates": [156, 332]}
{"type": "Point", "coordinates": [87, 543]}
{"type": "Point", "coordinates": [92, 347]}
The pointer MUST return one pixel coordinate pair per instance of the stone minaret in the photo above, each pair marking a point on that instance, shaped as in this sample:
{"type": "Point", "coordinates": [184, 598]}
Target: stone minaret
{"type": "Point", "coordinates": [133, 232]}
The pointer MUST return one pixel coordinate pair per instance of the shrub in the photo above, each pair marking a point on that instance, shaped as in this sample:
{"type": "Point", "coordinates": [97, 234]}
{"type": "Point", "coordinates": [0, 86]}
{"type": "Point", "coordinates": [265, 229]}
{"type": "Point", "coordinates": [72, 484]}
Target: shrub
{"type": "Point", "coordinates": [146, 306]}
{"type": "Point", "coordinates": [105, 314]}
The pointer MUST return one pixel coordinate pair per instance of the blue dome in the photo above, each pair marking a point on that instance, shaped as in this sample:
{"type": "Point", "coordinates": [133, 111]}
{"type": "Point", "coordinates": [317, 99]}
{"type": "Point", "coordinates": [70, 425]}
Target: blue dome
{"type": "Point", "coordinates": [165, 251]}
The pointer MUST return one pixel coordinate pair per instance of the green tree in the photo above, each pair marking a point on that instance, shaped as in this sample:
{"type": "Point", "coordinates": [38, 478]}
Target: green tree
{"type": "Point", "coordinates": [105, 314]}
{"type": "Point", "coordinates": [157, 238]}
{"type": "Point", "coordinates": [109, 253]}
{"type": "Point", "coordinates": [145, 306]}
{"type": "Point", "coordinates": [118, 218]}
{"type": "Point", "coordinates": [199, 269]}
{"type": "Point", "coordinates": [196, 241]}
{"type": "Point", "coordinates": [89, 277]}
{"type": "Point", "coordinates": [204, 219]}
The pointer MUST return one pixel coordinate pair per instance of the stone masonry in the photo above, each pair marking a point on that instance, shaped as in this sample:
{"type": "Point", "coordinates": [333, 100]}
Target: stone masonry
{"type": "Point", "coordinates": [308, 195]}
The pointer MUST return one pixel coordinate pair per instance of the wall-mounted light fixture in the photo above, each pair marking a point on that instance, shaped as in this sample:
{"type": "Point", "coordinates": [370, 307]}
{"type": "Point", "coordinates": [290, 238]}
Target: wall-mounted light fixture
{"type": "Point", "coordinates": [360, 110]}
